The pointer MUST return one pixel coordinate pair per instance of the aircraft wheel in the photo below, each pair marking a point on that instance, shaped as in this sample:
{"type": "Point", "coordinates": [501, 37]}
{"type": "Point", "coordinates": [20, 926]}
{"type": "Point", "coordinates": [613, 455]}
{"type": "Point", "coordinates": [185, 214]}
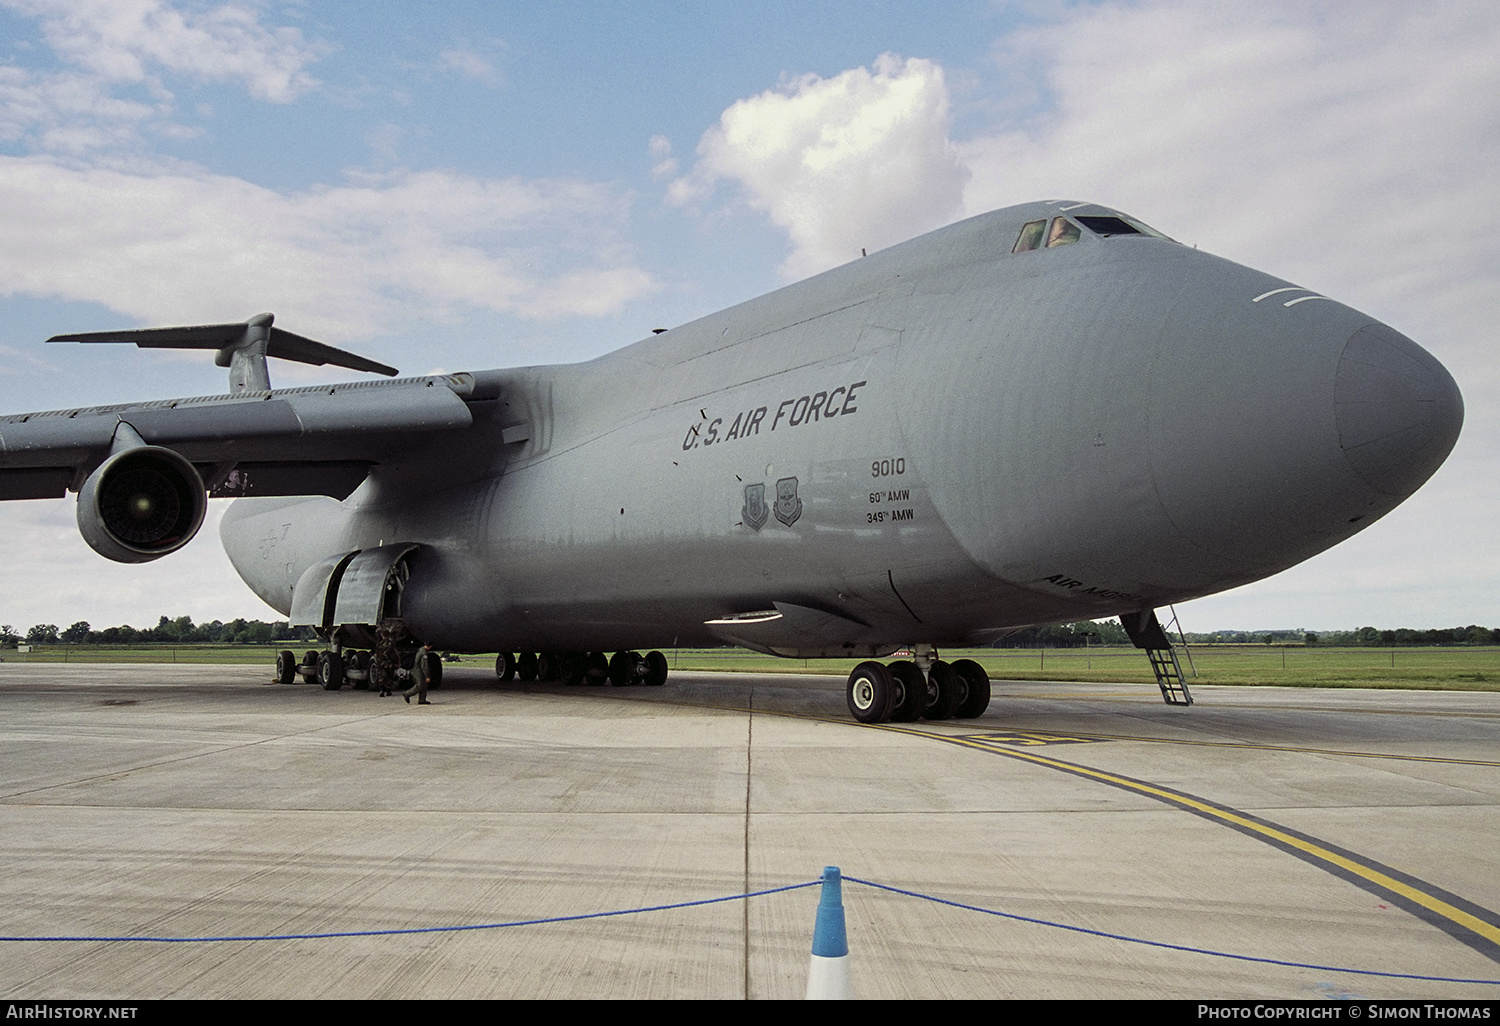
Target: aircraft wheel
{"type": "Point", "coordinates": [375, 670]}
{"type": "Point", "coordinates": [359, 664]}
{"type": "Point", "coordinates": [871, 691]}
{"type": "Point", "coordinates": [434, 669]}
{"type": "Point", "coordinates": [547, 666]}
{"type": "Point", "coordinates": [526, 667]}
{"type": "Point", "coordinates": [330, 671]}
{"type": "Point", "coordinates": [977, 699]}
{"type": "Point", "coordinates": [505, 666]}
{"type": "Point", "coordinates": [911, 691]}
{"type": "Point", "coordinates": [656, 669]}
{"type": "Point", "coordinates": [571, 667]}
{"type": "Point", "coordinates": [286, 667]}
{"type": "Point", "coordinates": [308, 668]}
{"type": "Point", "coordinates": [944, 690]}
{"type": "Point", "coordinates": [622, 668]}
{"type": "Point", "coordinates": [595, 668]}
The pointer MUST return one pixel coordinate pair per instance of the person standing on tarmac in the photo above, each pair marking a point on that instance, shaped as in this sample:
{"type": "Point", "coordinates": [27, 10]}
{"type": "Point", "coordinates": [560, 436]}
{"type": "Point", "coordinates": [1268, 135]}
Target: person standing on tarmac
{"type": "Point", "coordinates": [422, 670]}
{"type": "Point", "coordinates": [386, 661]}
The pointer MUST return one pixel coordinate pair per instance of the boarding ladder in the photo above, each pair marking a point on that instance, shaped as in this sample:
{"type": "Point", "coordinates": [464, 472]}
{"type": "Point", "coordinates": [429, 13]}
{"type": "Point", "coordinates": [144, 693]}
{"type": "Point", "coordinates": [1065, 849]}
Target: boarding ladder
{"type": "Point", "coordinates": [1146, 632]}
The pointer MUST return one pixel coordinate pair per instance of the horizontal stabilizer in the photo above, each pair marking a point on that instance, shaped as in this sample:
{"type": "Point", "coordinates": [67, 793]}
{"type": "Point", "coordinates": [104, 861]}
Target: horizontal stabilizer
{"type": "Point", "coordinates": [281, 344]}
{"type": "Point", "coordinates": [287, 346]}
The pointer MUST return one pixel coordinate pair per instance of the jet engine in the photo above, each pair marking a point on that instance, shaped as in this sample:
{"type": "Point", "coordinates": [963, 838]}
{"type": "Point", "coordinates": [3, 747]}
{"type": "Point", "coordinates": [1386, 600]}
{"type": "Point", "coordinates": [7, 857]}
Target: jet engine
{"type": "Point", "coordinates": [142, 503]}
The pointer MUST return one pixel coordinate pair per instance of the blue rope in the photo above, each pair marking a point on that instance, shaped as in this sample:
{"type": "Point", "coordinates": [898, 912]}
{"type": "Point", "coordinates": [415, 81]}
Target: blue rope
{"type": "Point", "coordinates": [431, 929]}
{"type": "Point", "coordinates": [756, 894]}
{"type": "Point", "coordinates": [1161, 944]}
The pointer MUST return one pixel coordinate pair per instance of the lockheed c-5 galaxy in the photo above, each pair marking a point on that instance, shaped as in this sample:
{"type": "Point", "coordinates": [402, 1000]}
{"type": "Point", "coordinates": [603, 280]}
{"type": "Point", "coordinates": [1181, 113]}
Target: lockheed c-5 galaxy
{"type": "Point", "coordinates": [1045, 413]}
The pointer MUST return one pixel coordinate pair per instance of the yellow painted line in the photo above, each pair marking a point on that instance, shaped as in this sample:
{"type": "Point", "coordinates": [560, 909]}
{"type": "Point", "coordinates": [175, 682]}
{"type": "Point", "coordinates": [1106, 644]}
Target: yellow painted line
{"type": "Point", "coordinates": [1262, 748]}
{"type": "Point", "coordinates": [1031, 696]}
{"type": "Point", "coordinates": [1412, 894]}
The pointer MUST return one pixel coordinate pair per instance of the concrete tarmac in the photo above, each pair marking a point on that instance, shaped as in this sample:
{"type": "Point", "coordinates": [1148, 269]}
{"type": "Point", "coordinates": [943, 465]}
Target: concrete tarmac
{"type": "Point", "coordinates": [1345, 829]}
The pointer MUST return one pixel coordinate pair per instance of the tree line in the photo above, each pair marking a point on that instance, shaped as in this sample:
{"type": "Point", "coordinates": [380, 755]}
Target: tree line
{"type": "Point", "coordinates": [1085, 633]}
{"type": "Point", "coordinates": [1403, 637]}
{"type": "Point", "coordinates": [181, 631]}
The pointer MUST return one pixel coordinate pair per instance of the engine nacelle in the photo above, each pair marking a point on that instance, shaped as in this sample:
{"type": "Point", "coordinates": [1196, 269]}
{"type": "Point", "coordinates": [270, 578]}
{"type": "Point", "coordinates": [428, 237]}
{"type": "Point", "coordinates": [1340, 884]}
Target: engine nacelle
{"type": "Point", "coordinates": [141, 504]}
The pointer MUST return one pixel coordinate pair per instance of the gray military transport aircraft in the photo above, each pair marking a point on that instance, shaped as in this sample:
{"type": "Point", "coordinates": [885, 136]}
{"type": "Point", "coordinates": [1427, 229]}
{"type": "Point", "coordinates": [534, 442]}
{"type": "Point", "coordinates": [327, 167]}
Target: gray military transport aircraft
{"type": "Point", "coordinates": [1045, 413]}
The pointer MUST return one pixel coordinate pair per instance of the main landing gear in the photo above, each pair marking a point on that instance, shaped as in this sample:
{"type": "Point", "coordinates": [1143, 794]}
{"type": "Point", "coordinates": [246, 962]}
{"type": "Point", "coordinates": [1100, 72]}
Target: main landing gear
{"type": "Point", "coordinates": [621, 669]}
{"type": "Point", "coordinates": [903, 693]}
{"type": "Point", "coordinates": [332, 669]}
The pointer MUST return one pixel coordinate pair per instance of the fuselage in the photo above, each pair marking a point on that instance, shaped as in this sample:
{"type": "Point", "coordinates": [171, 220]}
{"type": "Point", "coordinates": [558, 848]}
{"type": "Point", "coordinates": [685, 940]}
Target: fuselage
{"type": "Point", "coordinates": [936, 443]}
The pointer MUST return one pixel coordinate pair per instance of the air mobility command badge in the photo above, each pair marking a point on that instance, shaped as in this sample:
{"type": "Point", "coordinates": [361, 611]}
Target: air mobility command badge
{"type": "Point", "coordinates": [788, 506]}
{"type": "Point", "coordinates": [756, 511]}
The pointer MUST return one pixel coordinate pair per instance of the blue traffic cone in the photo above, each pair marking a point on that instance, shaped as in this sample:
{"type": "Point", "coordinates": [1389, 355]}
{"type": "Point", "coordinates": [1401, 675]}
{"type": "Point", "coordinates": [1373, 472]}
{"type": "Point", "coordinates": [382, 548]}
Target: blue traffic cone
{"type": "Point", "coordinates": [828, 975]}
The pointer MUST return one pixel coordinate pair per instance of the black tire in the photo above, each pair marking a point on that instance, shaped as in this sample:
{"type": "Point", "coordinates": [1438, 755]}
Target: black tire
{"type": "Point", "coordinates": [286, 667]}
{"type": "Point", "coordinates": [330, 671]}
{"type": "Point", "coordinates": [596, 668]}
{"type": "Point", "coordinates": [871, 691]}
{"type": "Point", "coordinates": [526, 667]}
{"type": "Point", "coordinates": [623, 668]}
{"type": "Point", "coordinates": [656, 669]}
{"type": "Point", "coordinates": [977, 700]}
{"type": "Point", "coordinates": [911, 692]}
{"type": "Point", "coordinates": [505, 666]}
{"type": "Point", "coordinates": [359, 663]}
{"type": "Point", "coordinates": [945, 689]}
{"type": "Point", "coordinates": [547, 666]}
{"type": "Point", "coordinates": [434, 668]}
{"type": "Point", "coordinates": [571, 667]}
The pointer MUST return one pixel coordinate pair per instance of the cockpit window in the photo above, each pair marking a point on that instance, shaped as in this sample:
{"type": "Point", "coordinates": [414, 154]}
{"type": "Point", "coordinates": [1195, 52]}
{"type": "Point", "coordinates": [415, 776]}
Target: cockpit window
{"type": "Point", "coordinates": [1063, 232]}
{"type": "Point", "coordinates": [1107, 226]}
{"type": "Point", "coordinates": [1030, 237]}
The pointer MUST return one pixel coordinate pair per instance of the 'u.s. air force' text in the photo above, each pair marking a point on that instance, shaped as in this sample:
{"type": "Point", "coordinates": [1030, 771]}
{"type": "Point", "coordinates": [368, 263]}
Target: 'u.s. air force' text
{"type": "Point", "coordinates": [805, 409]}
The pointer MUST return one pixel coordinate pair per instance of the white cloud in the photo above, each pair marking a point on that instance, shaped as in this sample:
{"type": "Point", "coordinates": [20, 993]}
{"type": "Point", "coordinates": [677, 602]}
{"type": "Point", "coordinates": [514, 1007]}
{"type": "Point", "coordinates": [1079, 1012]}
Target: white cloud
{"type": "Point", "coordinates": [661, 152]}
{"type": "Point", "coordinates": [110, 47]}
{"type": "Point", "coordinates": [469, 63]}
{"type": "Point", "coordinates": [128, 40]}
{"type": "Point", "coordinates": [67, 112]}
{"type": "Point", "coordinates": [859, 160]}
{"type": "Point", "coordinates": [342, 260]}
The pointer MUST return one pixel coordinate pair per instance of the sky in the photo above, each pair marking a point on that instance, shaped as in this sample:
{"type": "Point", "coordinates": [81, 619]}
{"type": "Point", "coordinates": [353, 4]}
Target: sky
{"type": "Point", "coordinates": [465, 185]}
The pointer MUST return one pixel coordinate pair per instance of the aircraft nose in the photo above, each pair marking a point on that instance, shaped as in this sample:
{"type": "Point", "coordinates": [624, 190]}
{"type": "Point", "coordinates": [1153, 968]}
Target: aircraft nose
{"type": "Point", "coordinates": [1286, 430]}
{"type": "Point", "coordinates": [1398, 410]}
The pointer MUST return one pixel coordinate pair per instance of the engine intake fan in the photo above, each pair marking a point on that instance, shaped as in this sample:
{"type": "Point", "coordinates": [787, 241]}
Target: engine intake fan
{"type": "Point", "coordinates": [142, 502]}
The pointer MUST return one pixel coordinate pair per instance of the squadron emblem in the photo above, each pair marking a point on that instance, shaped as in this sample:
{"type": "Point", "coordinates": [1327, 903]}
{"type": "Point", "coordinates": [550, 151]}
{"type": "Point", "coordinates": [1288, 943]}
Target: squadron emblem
{"type": "Point", "coordinates": [756, 511]}
{"type": "Point", "coordinates": [788, 506]}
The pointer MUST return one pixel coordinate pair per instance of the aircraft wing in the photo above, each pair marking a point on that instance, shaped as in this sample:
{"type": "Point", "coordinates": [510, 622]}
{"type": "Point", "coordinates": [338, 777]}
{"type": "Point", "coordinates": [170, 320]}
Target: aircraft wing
{"type": "Point", "coordinates": [299, 441]}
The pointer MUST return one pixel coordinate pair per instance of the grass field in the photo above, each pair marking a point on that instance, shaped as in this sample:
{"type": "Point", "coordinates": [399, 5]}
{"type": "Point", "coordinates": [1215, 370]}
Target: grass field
{"type": "Point", "coordinates": [1453, 669]}
{"type": "Point", "coordinates": [1467, 668]}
